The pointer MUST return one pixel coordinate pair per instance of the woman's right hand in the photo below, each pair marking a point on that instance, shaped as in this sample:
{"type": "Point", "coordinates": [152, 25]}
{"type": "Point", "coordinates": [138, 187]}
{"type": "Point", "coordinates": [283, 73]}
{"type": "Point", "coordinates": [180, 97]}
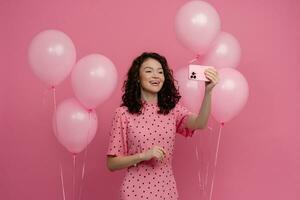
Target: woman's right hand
{"type": "Point", "coordinates": [155, 152]}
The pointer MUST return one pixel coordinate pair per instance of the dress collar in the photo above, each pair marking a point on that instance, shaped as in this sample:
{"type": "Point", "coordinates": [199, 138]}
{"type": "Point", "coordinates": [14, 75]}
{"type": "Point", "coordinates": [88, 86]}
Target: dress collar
{"type": "Point", "coordinates": [148, 102]}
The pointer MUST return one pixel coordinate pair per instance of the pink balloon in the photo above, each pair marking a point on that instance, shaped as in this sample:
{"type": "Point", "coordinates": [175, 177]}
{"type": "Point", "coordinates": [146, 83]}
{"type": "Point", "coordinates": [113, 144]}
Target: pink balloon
{"type": "Point", "coordinates": [229, 95]}
{"type": "Point", "coordinates": [52, 55]}
{"type": "Point", "coordinates": [94, 78]}
{"type": "Point", "coordinates": [74, 126]}
{"type": "Point", "coordinates": [197, 24]}
{"type": "Point", "coordinates": [225, 52]}
{"type": "Point", "coordinates": [192, 91]}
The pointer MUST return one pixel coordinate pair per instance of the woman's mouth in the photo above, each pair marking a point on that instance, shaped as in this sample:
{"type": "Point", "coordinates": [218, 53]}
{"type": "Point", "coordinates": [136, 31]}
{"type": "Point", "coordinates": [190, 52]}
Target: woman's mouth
{"type": "Point", "coordinates": [155, 83]}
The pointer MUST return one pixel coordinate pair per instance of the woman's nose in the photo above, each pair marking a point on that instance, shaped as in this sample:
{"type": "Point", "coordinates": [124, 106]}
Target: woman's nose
{"type": "Point", "coordinates": [155, 74]}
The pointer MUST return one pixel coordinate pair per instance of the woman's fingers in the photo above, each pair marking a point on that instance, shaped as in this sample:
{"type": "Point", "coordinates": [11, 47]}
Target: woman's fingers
{"type": "Point", "coordinates": [162, 150]}
{"type": "Point", "coordinates": [211, 70]}
{"type": "Point", "coordinates": [212, 78]}
{"type": "Point", "coordinates": [159, 154]}
{"type": "Point", "coordinates": [156, 152]}
{"type": "Point", "coordinates": [211, 74]}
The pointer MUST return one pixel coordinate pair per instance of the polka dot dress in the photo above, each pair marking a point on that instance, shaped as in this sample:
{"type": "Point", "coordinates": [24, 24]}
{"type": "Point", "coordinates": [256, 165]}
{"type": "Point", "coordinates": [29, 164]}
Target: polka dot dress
{"type": "Point", "coordinates": [133, 134]}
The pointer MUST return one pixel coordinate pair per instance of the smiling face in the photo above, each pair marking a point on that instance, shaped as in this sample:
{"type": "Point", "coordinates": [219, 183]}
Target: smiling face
{"type": "Point", "coordinates": [151, 76]}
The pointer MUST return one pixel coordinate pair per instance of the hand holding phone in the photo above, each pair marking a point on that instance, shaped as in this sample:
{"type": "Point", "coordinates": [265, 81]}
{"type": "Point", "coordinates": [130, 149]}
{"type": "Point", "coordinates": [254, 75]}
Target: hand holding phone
{"type": "Point", "coordinates": [196, 72]}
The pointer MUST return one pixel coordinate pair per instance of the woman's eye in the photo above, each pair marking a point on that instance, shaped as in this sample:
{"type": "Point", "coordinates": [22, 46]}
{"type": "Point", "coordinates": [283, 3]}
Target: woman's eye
{"type": "Point", "coordinates": [148, 71]}
{"type": "Point", "coordinates": [161, 72]}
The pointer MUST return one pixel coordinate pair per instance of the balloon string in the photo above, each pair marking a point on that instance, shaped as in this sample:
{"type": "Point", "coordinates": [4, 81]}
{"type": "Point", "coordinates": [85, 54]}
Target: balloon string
{"type": "Point", "coordinates": [199, 180]}
{"type": "Point", "coordinates": [83, 173]}
{"type": "Point", "coordinates": [56, 133]}
{"type": "Point", "coordinates": [55, 109]}
{"type": "Point", "coordinates": [90, 120]}
{"type": "Point", "coordinates": [62, 181]}
{"type": "Point", "coordinates": [206, 179]}
{"type": "Point", "coordinates": [202, 177]}
{"type": "Point", "coordinates": [199, 175]}
{"type": "Point", "coordinates": [54, 97]}
{"type": "Point", "coordinates": [85, 155]}
{"type": "Point", "coordinates": [74, 167]}
{"type": "Point", "coordinates": [195, 59]}
{"type": "Point", "coordinates": [210, 128]}
{"type": "Point", "coordinates": [196, 151]}
{"type": "Point", "coordinates": [215, 162]}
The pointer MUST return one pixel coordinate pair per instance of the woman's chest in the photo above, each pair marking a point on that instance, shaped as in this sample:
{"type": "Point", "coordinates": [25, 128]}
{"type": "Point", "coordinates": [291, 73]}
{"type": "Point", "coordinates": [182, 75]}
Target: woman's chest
{"type": "Point", "coordinates": [150, 129]}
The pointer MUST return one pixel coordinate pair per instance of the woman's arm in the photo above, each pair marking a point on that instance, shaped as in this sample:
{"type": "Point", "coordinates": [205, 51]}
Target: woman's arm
{"type": "Point", "coordinates": [120, 162]}
{"type": "Point", "coordinates": [200, 121]}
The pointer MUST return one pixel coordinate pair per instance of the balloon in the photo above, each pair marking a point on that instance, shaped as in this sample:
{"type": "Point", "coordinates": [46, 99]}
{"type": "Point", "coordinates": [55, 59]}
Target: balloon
{"type": "Point", "coordinates": [230, 95]}
{"type": "Point", "coordinates": [225, 52]}
{"type": "Point", "coordinates": [94, 78]}
{"type": "Point", "coordinates": [74, 126]}
{"type": "Point", "coordinates": [197, 24]}
{"type": "Point", "coordinates": [52, 55]}
{"type": "Point", "coordinates": [192, 91]}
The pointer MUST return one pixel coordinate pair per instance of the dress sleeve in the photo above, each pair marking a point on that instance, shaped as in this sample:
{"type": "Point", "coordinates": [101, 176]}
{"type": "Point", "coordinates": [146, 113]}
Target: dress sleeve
{"type": "Point", "coordinates": [118, 135]}
{"type": "Point", "coordinates": [182, 114]}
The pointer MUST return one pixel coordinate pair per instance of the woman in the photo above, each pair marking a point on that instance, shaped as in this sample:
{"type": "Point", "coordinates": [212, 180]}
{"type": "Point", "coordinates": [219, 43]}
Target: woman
{"type": "Point", "coordinates": [143, 132]}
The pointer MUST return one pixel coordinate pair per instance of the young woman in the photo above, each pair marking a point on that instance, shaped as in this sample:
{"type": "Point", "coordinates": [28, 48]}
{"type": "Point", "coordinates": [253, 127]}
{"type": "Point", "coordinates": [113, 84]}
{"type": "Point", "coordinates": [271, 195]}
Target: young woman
{"type": "Point", "coordinates": [143, 131]}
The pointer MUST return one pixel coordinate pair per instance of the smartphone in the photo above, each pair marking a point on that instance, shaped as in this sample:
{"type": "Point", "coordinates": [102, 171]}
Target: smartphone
{"type": "Point", "coordinates": [196, 72]}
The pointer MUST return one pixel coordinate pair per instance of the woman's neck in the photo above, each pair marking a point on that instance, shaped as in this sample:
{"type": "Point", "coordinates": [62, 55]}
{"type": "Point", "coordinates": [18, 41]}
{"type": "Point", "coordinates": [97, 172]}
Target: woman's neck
{"type": "Point", "coordinates": [149, 97]}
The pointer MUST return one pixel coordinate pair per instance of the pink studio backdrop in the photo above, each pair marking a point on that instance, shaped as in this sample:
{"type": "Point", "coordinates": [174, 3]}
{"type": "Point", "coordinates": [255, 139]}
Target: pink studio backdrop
{"type": "Point", "coordinates": [259, 151]}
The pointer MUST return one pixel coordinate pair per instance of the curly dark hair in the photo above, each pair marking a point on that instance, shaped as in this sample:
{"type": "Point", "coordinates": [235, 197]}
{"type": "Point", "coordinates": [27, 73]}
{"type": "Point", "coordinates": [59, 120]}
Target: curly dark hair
{"type": "Point", "coordinates": [168, 96]}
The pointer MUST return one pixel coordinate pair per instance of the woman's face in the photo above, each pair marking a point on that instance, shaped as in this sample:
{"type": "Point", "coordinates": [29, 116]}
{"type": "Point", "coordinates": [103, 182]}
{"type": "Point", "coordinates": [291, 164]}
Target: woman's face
{"type": "Point", "coordinates": [151, 76]}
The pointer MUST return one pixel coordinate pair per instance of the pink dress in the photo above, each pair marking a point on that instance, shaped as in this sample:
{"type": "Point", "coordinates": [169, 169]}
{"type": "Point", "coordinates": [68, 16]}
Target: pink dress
{"type": "Point", "coordinates": [133, 134]}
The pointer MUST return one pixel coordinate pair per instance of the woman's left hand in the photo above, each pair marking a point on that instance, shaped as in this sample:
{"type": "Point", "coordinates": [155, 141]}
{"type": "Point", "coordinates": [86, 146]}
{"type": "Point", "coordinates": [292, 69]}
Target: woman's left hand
{"type": "Point", "coordinates": [212, 75]}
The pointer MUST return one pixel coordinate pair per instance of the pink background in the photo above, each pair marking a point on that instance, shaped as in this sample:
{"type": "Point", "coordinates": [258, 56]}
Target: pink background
{"type": "Point", "coordinates": [259, 152]}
